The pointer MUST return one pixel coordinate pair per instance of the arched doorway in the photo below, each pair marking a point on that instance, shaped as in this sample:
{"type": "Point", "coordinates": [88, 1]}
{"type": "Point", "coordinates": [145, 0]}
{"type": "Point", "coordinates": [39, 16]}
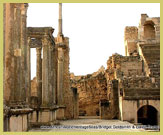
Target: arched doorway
{"type": "Point", "coordinates": [149, 30]}
{"type": "Point", "coordinates": [147, 115]}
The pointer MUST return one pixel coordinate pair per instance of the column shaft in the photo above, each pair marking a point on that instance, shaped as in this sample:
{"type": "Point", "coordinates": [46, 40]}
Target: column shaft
{"type": "Point", "coordinates": [39, 75]}
{"type": "Point", "coordinates": [60, 77]}
{"type": "Point", "coordinates": [45, 72]}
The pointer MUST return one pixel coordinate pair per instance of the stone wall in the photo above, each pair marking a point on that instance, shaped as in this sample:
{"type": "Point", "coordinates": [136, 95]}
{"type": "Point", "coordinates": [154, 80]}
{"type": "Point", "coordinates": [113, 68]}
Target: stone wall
{"type": "Point", "coordinates": [130, 38]}
{"type": "Point", "coordinates": [149, 28]}
{"type": "Point", "coordinates": [92, 89]}
{"type": "Point", "coordinates": [119, 66]}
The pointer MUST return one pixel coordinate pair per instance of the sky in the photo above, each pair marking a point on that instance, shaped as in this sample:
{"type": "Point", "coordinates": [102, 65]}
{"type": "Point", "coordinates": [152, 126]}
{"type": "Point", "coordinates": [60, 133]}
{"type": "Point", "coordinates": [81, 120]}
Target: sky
{"type": "Point", "coordinates": [95, 30]}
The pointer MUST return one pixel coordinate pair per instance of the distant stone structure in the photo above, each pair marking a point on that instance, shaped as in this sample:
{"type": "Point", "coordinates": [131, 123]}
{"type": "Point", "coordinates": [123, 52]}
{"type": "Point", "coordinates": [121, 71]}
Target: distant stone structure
{"type": "Point", "coordinates": [128, 89]}
{"type": "Point", "coordinates": [91, 89]}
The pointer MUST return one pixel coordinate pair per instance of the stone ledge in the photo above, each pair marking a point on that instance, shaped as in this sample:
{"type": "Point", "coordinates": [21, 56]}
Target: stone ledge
{"type": "Point", "coordinates": [54, 107]}
{"type": "Point", "coordinates": [20, 111]}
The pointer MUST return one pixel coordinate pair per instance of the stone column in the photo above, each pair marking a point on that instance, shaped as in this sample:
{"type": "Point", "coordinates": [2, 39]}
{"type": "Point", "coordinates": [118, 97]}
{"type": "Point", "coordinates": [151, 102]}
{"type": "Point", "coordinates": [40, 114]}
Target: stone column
{"type": "Point", "coordinates": [45, 72]}
{"type": "Point", "coordinates": [51, 70]}
{"type": "Point", "coordinates": [12, 92]}
{"type": "Point", "coordinates": [8, 54]}
{"type": "Point", "coordinates": [17, 53]}
{"type": "Point", "coordinates": [28, 72]}
{"type": "Point", "coordinates": [23, 46]}
{"type": "Point", "coordinates": [60, 20]}
{"type": "Point", "coordinates": [39, 74]}
{"type": "Point", "coordinates": [60, 98]}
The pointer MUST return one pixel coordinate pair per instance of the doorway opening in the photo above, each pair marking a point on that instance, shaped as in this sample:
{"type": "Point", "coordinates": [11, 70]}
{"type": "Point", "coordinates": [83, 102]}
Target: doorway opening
{"type": "Point", "coordinates": [147, 115]}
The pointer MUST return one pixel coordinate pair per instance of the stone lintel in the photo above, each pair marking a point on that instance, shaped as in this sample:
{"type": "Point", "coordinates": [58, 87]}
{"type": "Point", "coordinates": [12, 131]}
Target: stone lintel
{"type": "Point", "coordinates": [40, 30]}
{"type": "Point", "coordinates": [38, 33]}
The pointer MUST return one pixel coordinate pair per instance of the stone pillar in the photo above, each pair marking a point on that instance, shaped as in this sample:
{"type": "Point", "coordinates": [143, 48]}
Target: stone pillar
{"type": "Point", "coordinates": [28, 72]}
{"type": "Point", "coordinates": [12, 55]}
{"type": "Point", "coordinates": [17, 54]}
{"type": "Point", "coordinates": [23, 46]}
{"type": "Point", "coordinates": [45, 72]}
{"type": "Point", "coordinates": [39, 74]}
{"type": "Point", "coordinates": [14, 68]}
{"type": "Point", "coordinates": [60, 98]}
{"type": "Point", "coordinates": [8, 54]}
{"type": "Point", "coordinates": [51, 74]}
{"type": "Point", "coordinates": [60, 20]}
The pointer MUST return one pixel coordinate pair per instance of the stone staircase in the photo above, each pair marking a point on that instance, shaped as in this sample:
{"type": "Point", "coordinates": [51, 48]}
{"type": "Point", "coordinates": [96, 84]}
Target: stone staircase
{"type": "Point", "coordinates": [151, 56]}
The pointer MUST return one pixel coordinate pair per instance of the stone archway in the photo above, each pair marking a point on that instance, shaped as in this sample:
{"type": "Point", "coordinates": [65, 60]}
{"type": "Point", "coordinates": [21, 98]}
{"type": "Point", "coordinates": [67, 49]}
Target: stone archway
{"type": "Point", "coordinates": [149, 30]}
{"type": "Point", "coordinates": [147, 115]}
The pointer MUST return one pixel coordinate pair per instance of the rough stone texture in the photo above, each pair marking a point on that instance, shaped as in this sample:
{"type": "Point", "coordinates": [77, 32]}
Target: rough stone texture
{"type": "Point", "coordinates": [131, 37]}
{"type": "Point", "coordinates": [119, 66]}
{"type": "Point", "coordinates": [14, 53]}
{"type": "Point", "coordinates": [91, 89]}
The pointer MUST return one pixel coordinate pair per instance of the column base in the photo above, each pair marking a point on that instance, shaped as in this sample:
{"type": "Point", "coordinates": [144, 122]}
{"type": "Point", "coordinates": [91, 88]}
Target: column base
{"type": "Point", "coordinates": [60, 113]}
{"type": "Point", "coordinates": [44, 116]}
{"type": "Point", "coordinates": [16, 120]}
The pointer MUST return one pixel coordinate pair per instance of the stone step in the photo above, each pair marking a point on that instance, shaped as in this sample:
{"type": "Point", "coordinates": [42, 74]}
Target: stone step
{"type": "Point", "coordinates": [139, 90]}
{"type": "Point", "coordinates": [150, 55]}
{"type": "Point", "coordinates": [151, 60]}
{"type": "Point", "coordinates": [151, 51]}
{"type": "Point", "coordinates": [151, 47]}
{"type": "Point", "coordinates": [141, 97]}
{"type": "Point", "coordinates": [143, 93]}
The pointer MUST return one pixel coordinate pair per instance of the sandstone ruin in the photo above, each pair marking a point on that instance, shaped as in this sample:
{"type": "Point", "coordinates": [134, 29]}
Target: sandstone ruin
{"type": "Point", "coordinates": [128, 89]}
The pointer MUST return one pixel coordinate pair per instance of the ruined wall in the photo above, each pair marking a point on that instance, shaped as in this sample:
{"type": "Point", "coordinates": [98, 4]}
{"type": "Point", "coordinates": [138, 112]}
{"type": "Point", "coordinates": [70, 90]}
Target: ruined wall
{"type": "Point", "coordinates": [119, 66]}
{"type": "Point", "coordinates": [149, 28]}
{"type": "Point", "coordinates": [130, 38]}
{"type": "Point", "coordinates": [92, 89]}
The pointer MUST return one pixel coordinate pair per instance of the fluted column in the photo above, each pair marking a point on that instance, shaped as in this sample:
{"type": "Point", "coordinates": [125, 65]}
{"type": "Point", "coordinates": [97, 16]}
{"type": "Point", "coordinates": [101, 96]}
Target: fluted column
{"type": "Point", "coordinates": [39, 74]}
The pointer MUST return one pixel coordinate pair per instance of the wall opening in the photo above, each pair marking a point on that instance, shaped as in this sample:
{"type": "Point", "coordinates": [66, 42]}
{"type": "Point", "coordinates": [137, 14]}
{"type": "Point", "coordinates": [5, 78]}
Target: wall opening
{"type": "Point", "coordinates": [147, 115]}
{"type": "Point", "coordinates": [149, 30]}
{"type": "Point", "coordinates": [33, 72]}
